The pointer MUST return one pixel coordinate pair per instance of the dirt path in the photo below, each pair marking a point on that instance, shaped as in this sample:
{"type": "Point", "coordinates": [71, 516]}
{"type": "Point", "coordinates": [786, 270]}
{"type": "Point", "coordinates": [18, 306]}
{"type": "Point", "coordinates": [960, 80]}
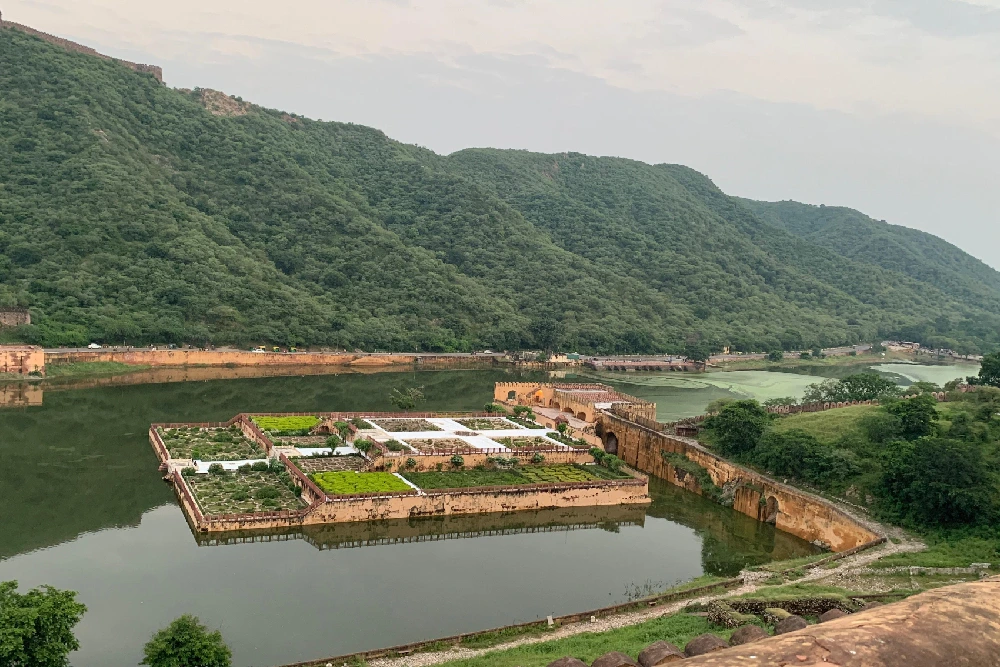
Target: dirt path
{"type": "Point", "coordinates": [752, 582]}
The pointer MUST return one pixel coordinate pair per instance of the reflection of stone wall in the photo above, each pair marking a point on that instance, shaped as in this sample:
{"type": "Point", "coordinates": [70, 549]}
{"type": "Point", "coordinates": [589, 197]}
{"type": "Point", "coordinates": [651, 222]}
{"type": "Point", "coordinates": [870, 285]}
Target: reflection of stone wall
{"type": "Point", "coordinates": [798, 513]}
{"type": "Point", "coordinates": [402, 531]}
{"type": "Point", "coordinates": [180, 358]}
{"type": "Point", "coordinates": [20, 395]}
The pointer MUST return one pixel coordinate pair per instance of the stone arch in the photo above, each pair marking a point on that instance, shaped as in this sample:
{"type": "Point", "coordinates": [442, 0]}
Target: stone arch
{"type": "Point", "coordinates": [771, 509]}
{"type": "Point", "coordinates": [554, 404]}
{"type": "Point", "coordinates": [610, 443]}
{"type": "Point", "coordinates": [511, 395]}
{"type": "Point", "coordinates": [582, 416]}
{"type": "Point", "coordinates": [568, 410]}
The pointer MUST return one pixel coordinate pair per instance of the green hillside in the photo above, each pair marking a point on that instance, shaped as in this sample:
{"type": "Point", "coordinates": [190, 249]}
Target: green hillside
{"type": "Point", "coordinates": [130, 212]}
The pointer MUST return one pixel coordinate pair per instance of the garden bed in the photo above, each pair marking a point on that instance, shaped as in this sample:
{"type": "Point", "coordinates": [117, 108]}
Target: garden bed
{"type": "Point", "coordinates": [243, 492]}
{"type": "Point", "coordinates": [286, 425]}
{"type": "Point", "coordinates": [214, 444]}
{"type": "Point", "coordinates": [441, 445]}
{"type": "Point", "coordinates": [308, 441]}
{"type": "Point", "coordinates": [534, 474]}
{"type": "Point", "coordinates": [405, 425]}
{"type": "Point", "coordinates": [487, 424]}
{"type": "Point", "coordinates": [526, 444]}
{"type": "Point", "coordinates": [313, 464]}
{"type": "Point", "coordinates": [348, 483]}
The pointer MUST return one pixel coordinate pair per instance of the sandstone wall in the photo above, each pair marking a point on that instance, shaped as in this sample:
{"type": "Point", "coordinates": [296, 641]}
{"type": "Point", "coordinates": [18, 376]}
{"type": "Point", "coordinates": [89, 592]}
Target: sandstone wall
{"type": "Point", "coordinates": [760, 497]}
{"type": "Point", "coordinates": [233, 358]}
{"type": "Point", "coordinates": [14, 317]}
{"type": "Point", "coordinates": [22, 359]}
{"type": "Point", "coordinates": [156, 71]}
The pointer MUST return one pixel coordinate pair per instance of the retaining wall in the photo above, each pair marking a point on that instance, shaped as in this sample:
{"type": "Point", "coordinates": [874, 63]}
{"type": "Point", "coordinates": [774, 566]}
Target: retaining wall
{"type": "Point", "coordinates": [233, 358]}
{"type": "Point", "coordinates": [760, 497]}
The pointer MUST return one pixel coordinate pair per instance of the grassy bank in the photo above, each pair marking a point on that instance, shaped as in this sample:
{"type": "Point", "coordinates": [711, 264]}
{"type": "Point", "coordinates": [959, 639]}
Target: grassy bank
{"type": "Point", "coordinates": [812, 362]}
{"type": "Point", "coordinates": [678, 629]}
{"type": "Point", "coordinates": [86, 369]}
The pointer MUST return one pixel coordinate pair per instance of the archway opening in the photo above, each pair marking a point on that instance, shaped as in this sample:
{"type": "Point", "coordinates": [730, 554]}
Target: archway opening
{"type": "Point", "coordinates": [610, 443]}
{"type": "Point", "coordinates": [582, 416]}
{"type": "Point", "coordinates": [771, 510]}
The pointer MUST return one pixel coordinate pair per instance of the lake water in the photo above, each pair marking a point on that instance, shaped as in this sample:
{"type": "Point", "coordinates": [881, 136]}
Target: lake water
{"type": "Point", "coordinates": [84, 509]}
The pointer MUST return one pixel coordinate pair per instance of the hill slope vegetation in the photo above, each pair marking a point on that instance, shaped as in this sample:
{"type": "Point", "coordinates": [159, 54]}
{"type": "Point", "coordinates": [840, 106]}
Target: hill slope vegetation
{"type": "Point", "coordinates": [131, 212]}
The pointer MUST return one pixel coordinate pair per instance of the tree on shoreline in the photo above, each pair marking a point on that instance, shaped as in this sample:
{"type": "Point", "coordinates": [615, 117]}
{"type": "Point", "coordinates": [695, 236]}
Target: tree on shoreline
{"type": "Point", "coordinates": [187, 643]}
{"type": "Point", "coordinates": [36, 628]}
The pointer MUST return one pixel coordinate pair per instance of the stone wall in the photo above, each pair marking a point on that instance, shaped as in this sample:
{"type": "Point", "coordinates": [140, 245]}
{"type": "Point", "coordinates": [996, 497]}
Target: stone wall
{"type": "Point", "coordinates": [181, 358]}
{"type": "Point", "coordinates": [14, 317]}
{"type": "Point", "coordinates": [20, 395]}
{"type": "Point", "coordinates": [755, 495]}
{"type": "Point", "coordinates": [571, 398]}
{"type": "Point", "coordinates": [22, 359]}
{"type": "Point", "coordinates": [156, 71]}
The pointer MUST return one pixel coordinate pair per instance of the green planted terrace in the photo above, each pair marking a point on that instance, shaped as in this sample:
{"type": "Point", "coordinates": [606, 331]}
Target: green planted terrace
{"type": "Point", "coordinates": [533, 474]}
{"type": "Point", "coordinates": [213, 444]}
{"type": "Point", "coordinates": [345, 483]}
{"type": "Point", "coordinates": [244, 492]}
{"type": "Point", "coordinates": [487, 424]}
{"type": "Point", "coordinates": [289, 426]}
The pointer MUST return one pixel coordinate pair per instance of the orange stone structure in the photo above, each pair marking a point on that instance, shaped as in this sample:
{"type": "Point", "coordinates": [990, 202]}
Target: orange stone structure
{"type": "Point", "coordinates": [22, 359]}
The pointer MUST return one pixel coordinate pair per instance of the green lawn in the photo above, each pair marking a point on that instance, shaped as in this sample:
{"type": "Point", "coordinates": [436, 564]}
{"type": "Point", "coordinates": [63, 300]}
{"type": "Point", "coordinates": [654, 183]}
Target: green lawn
{"type": "Point", "coordinates": [948, 551]}
{"type": "Point", "coordinates": [348, 482]}
{"type": "Point", "coordinates": [678, 629]}
{"type": "Point", "coordinates": [828, 426]}
{"type": "Point", "coordinates": [83, 369]}
{"type": "Point", "coordinates": [286, 425]}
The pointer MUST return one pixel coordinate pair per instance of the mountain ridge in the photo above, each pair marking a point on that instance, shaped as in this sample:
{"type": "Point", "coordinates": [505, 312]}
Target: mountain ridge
{"type": "Point", "coordinates": [129, 211]}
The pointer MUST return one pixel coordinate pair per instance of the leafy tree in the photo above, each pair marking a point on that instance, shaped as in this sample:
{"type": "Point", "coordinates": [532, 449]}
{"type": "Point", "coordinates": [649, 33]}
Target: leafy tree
{"type": "Point", "coordinates": [775, 355]}
{"type": "Point", "coordinates": [856, 387]}
{"type": "Point", "coordinates": [798, 454]}
{"type": "Point", "coordinates": [738, 428]}
{"type": "Point", "coordinates": [545, 332]}
{"type": "Point", "coordinates": [916, 416]}
{"type": "Point", "coordinates": [187, 643]}
{"type": "Point", "coordinates": [938, 482]}
{"type": "Point", "coordinates": [36, 628]}
{"type": "Point", "coordinates": [718, 404]}
{"type": "Point", "coordinates": [989, 371]}
{"type": "Point", "coordinates": [699, 352]}
{"type": "Point", "coordinates": [406, 399]}
{"type": "Point", "coordinates": [781, 401]}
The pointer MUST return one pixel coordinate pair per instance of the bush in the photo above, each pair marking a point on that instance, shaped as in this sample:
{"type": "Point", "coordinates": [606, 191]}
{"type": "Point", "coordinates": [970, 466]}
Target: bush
{"type": "Point", "coordinates": [334, 441]}
{"type": "Point", "coordinates": [775, 355]}
{"type": "Point", "coordinates": [538, 458]}
{"type": "Point", "coordinates": [245, 468]}
{"type": "Point", "coordinates": [738, 428]}
{"type": "Point", "coordinates": [266, 493]}
{"type": "Point", "coordinates": [240, 495]}
{"type": "Point", "coordinates": [411, 463]}
{"type": "Point", "coordinates": [394, 446]}
{"type": "Point", "coordinates": [216, 469]}
{"type": "Point", "coordinates": [275, 466]}
{"type": "Point", "coordinates": [187, 642]}
{"type": "Point", "coordinates": [362, 445]}
{"type": "Point", "coordinates": [457, 461]}
{"type": "Point", "coordinates": [260, 466]}
{"type": "Point", "coordinates": [188, 471]}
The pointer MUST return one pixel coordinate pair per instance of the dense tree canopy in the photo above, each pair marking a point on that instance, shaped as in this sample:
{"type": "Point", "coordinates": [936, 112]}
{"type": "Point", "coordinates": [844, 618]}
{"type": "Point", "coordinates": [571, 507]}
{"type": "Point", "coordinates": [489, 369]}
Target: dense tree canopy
{"type": "Point", "coordinates": [130, 213]}
{"type": "Point", "coordinates": [36, 628]}
{"type": "Point", "coordinates": [186, 642]}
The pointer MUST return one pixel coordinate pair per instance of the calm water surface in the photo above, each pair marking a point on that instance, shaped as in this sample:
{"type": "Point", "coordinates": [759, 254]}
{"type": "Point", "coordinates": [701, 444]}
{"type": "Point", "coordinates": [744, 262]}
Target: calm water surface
{"type": "Point", "coordinates": [84, 508]}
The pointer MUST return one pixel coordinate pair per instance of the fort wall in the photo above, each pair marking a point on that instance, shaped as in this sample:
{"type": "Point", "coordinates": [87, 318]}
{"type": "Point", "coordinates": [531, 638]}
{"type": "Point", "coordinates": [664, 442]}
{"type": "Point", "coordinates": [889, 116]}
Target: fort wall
{"type": "Point", "coordinates": [234, 358]}
{"type": "Point", "coordinates": [789, 509]}
{"type": "Point", "coordinates": [14, 317]}
{"type": "Point", "coordinates": [22, 359]}
{"type": "Point", "coordinates": [156, 71]}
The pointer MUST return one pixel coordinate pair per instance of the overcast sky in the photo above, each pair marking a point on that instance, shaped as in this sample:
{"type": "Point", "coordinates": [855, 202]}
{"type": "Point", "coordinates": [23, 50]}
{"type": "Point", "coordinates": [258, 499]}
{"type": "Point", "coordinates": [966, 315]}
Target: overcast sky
{"type": "Point", "coordinates": [888, 106]}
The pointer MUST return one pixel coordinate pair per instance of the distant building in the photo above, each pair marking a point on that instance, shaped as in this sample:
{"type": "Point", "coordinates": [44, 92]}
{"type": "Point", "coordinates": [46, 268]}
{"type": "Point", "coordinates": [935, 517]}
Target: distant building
{"type": "Point", "coordinates": [22, 359]}
{"type": "Point", "coordinates": [14, 317]}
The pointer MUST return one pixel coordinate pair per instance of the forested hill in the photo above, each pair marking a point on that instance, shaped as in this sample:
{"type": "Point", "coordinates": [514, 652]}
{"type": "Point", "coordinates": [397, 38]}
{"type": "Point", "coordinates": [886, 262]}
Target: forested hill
{"type": "Point", "coordinates": [853, 234]}
{"type": "Point", "coordinates": [133, 212]}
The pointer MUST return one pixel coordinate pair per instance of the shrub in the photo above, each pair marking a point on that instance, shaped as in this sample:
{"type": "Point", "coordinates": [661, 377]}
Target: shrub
{"type": "Point", "coordinates": [334, 441]}
{"type": "Point", "coordinates": [188, 471]}
{"type": "Point", "coordinates": [524, 411]}
{"type": "Point", "coordinates": [216, 469]}
{"type": "Point", "coordinates": [411, 463]}
{"type": "Point", "coordinates": [276, 466]}
{"type": "Point", "coordinates": [260, 466]}
{"type": "Point", "coordinates": [439, 467]}
{"type": "Point", "coordinates": [266, 493]}
{"type": "Point", "coordinates": [362, 445]}
{"type": "Point", "coordinates": [241, 495]}
{"type": "Point", "coordinates": [538, 458]}
{"type": "Point", "coordinates": [457, 461]}
{"type": "Point", "coordinates": [738, 427]}
{"type": "Point", "coordinates": [394, 446]}
{"type": "Point", "coordinates": [245, 468]}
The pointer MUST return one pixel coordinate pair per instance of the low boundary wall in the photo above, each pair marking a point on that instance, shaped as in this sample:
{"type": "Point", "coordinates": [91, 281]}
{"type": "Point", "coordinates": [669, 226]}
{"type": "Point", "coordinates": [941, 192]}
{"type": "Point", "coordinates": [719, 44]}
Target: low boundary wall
{"type": "Point", "coordinates": [789, 509]}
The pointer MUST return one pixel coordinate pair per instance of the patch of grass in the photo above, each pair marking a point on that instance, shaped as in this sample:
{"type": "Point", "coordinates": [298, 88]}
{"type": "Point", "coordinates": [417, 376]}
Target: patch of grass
{"type": "Point", "coordinates": [525, 443]}
{"type": "Point", "coordinates": [504, 635]}
{"type": "Point", "coordinates": [683, 463]}
{"type": "Point", "coordinates": [678, 629]}
{"type": "Point", "coordinates": [779, 566]}
{"type": "Point", "coordinates": [829, 426]}
{"type": "Point", "coordinates": [801, 590]}
{"type": "Point", "coordinates": [405, 425]}
{"type": "Point", "coordinates": [82, 369]}
{"type": "Point", "coordinates": [534, 474]}
{"type": "Point", "coordinates": [948, 551]}
{"type": "Point", "coordinates": [348, 482]}
{"type": "Point", "coordinates": [286, 425]}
